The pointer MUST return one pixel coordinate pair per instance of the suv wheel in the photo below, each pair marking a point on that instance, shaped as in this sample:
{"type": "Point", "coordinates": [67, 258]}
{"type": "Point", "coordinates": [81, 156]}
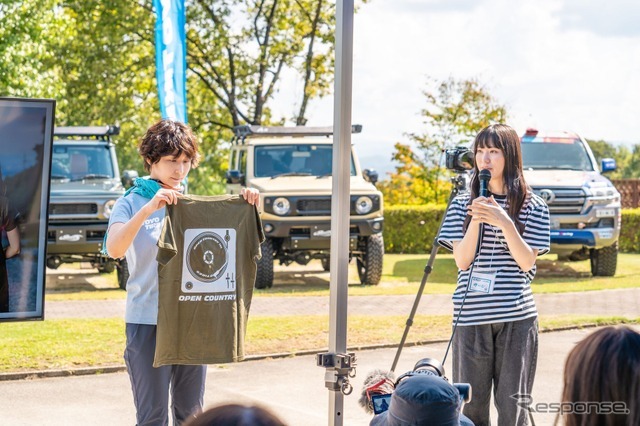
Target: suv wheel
{"type": "Point", "coordinates": [326, 261]}
{"type": "Point", "coordinates": [370, 263]}
{"type": "Point", "coordinates": [106, 267]}
{"type": "Point", "coordinates": [264, 274]}
{"type": "Point", "coordinates": [604, 261]}
{"type": "Point", "coordinates": [123, 273]}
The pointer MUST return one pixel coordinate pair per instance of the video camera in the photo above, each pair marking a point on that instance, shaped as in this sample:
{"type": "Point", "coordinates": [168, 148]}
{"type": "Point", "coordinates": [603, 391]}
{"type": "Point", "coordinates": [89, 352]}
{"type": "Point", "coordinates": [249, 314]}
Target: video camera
{"type": "Point", "coordinates": [459, 159]}
{"type": "Point", "coordinates": [379, 386]}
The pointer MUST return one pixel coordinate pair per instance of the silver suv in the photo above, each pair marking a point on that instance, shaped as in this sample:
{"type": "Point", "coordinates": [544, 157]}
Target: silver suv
{"type": "Point", "coordinates": [584, 205]}
{"type": "Point", "coordinates": [291, 166]}
{"type": "Point", "coordinates": [85, 184]}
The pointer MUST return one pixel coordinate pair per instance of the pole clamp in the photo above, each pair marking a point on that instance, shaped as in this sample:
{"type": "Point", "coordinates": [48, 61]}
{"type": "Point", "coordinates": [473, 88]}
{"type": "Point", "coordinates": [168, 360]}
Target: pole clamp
{"type": "Point", "coordinates": [340, 367]}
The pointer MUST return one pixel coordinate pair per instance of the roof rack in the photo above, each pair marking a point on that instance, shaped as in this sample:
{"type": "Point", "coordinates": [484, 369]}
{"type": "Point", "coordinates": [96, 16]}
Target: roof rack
{"type": "Point", "coordinates": [245, 131]}
{"type": "Point", "coordinates": [98, 132]}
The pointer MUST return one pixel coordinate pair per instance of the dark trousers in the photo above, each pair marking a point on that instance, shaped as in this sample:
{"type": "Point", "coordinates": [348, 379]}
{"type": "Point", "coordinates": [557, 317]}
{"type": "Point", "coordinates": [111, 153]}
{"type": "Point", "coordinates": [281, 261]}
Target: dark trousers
{"type": "Point", "coordinates": [151, 386]}
{"type": "Point", "coordinates": [502, 356]}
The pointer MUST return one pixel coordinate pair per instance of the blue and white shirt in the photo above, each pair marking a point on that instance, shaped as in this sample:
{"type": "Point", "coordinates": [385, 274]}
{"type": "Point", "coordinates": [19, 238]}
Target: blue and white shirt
{"type": "Point", "coordinates": [511, 299]}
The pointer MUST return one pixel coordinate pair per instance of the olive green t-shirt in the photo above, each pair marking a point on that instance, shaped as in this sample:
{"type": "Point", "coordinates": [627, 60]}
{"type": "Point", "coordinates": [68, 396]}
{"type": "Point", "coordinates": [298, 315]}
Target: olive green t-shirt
{"type": "Point", "coordinates": [207, 255]}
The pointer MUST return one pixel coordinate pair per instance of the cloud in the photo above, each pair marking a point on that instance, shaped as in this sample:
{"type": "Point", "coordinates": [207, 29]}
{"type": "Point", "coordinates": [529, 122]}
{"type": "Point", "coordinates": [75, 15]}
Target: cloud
{"type": "Point", "coordinates": [610, 18]}
{"type": "Point", "coordinates": [550, 74]}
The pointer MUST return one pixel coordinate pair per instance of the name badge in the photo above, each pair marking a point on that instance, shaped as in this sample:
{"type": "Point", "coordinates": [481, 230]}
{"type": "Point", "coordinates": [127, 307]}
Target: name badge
{"type": "Point", "coordinates": [482, 282]}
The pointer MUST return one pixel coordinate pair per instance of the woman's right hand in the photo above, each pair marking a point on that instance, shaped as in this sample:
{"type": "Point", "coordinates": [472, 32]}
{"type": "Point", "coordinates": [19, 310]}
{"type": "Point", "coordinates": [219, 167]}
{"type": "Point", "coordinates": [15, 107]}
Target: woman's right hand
{"type": "Point", "coordinates": [162, 198]}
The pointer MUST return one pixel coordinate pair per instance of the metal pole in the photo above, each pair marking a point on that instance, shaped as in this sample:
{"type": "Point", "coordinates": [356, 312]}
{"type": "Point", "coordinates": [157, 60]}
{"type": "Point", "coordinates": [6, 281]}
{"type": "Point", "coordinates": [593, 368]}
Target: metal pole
{"type": "Point", "coordinates": [340, 205]}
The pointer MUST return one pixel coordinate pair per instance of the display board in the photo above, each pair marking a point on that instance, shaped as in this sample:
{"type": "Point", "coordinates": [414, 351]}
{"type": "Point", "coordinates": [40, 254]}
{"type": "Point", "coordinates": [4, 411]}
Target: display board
{"type": "Point", "coordinates": [26, 133]}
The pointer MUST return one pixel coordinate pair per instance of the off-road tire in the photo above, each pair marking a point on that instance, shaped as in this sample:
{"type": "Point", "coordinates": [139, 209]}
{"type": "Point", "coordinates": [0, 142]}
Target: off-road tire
{"type": "Point", "coordinates": [106, 268]}
{"type": "Point", "coordinates": [604, 261]}
{"type": "Point", "coordinates": [370, 263]}
{"type": "Point", "coordinates": [123, 273]}
{"type": "Point", "coordinates": [264, 274]}
{"type": "Point", "coordinates": [326, 263]}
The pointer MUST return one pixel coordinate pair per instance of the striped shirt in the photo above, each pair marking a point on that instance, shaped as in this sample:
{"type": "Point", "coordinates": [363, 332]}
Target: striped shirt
{"type": "Point", "coordinates": [511, 299]}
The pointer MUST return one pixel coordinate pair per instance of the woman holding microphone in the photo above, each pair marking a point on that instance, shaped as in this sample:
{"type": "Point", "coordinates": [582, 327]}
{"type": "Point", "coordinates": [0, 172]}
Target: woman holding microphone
{"type": "Point", "coordinates": [495, 343]}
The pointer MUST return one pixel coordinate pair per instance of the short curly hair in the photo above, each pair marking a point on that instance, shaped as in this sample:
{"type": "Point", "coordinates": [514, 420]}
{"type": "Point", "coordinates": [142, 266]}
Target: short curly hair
{"type": "Point", "coordinates": [168, 137]}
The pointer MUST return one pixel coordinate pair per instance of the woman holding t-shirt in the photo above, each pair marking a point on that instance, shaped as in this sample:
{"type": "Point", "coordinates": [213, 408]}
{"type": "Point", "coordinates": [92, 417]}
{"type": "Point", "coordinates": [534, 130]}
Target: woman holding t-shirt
{"type": "Point", "coordinates": [169, 150]}
{"type": "Point", "coordinates": [495, 345]}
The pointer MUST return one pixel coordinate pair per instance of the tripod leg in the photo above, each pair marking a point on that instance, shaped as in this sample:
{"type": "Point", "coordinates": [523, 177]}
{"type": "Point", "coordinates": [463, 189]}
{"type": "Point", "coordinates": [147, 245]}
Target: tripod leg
{"type": "Point", "coordinates": [427, 270]}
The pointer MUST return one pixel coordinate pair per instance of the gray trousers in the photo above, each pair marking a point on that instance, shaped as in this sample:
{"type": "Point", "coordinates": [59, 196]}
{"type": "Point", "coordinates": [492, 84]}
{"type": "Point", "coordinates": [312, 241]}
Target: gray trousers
{"type": "Point", "coordinates": [502, 355]}
{"type": "Point", "coordinates": [151, 385]}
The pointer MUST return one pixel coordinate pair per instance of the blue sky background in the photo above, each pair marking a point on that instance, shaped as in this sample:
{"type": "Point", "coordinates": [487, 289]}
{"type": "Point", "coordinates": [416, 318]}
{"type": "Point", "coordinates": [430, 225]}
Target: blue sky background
{"type": "Point", "coordinates": [556, 65]}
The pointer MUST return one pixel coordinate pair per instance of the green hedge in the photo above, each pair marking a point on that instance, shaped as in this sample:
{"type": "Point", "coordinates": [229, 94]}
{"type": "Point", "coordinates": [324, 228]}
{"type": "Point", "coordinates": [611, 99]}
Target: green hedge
{"type": "Point", "coordinates": [411, 229]}
{"type": "Point", "coordinates": [630, 231]}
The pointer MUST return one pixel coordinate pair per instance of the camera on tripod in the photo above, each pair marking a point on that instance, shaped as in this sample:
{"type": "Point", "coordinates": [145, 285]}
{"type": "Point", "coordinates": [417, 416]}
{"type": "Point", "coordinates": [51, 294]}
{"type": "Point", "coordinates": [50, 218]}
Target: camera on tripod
{"type": "Point", "coordinates": [459, 159]}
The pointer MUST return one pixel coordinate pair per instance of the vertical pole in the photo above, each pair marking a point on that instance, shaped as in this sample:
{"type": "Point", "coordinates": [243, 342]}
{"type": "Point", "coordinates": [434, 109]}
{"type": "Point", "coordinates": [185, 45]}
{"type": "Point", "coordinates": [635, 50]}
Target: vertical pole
{"type": "Point", "coordinates": [340, 205]}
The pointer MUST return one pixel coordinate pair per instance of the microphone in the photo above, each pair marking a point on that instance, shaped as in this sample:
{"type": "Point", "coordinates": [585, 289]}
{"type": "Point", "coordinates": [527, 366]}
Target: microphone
{"type": "Point", "coordinates": [377, 382]}
{"type": "Point", "coordinates": [484, 177]}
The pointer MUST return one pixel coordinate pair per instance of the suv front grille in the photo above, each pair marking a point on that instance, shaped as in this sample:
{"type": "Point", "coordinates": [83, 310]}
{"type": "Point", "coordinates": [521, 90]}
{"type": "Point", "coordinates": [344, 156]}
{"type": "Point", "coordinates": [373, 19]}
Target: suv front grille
{"type": "Point", "coordinates": [563, 200]}
{"type": "Point", "coordinates": [314, 206]}
{"type": "Point", "coordinates": [84, 208]}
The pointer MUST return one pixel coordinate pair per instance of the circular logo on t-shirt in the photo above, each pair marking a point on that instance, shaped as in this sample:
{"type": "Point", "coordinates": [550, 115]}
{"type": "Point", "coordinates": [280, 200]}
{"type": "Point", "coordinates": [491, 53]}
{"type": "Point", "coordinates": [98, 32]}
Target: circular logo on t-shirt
{"type": "Point", "coordinates": [207, 257]}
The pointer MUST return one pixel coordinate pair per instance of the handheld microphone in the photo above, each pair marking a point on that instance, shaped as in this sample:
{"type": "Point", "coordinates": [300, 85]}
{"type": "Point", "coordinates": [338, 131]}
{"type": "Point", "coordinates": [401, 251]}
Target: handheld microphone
{"type": "Point", "coordinates": [484, 177]}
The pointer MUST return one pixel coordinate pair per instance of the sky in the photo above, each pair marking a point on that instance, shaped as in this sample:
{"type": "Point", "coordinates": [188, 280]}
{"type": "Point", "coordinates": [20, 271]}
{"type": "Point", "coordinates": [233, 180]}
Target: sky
{"type": "Point", "coordinates": [555, 64]}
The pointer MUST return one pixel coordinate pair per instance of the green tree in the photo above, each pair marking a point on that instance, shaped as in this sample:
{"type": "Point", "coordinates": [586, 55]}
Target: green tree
{"type": "Point", "coordinates": [631, 169]}
{"type": "Point", "coordinates": [97, 58]}
{"type": "Point", "coordinates": [412, 183]}
{"type": "Point", "coordinates": [603, 149]}
{"type": "Point", "coordinates": [456, 110]}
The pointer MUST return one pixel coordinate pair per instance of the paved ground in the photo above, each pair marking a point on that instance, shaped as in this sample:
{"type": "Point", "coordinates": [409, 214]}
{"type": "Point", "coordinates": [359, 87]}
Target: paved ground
{"type": "Point", "coordinates": [293, 387]}
{"type": "Point", "coordinates": [624, 302]}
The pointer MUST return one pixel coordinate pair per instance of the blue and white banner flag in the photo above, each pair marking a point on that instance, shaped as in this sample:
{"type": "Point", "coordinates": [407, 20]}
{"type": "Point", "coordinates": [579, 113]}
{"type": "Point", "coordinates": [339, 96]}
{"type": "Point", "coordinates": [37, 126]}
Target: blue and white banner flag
{"type": "Point", "coordinates": [171, 61]}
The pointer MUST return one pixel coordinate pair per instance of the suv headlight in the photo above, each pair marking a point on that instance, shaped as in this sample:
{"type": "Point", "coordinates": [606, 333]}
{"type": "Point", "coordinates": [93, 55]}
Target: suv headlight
{"type": "Point", "coordinates": [603, 193]}
{"type": "Point", "coordinates": [281, 206]}
{"type": "Point", "coordinates": [363, 205]}
{"type": "Point", "coordinates": [108, 208]}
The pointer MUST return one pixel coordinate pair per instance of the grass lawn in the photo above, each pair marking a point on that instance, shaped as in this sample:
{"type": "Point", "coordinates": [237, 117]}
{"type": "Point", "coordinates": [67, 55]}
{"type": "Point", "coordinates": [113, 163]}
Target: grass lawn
{"type": "Point", "coordinates": [60, 344]}
{"type": "Point", "coordinates": [402, 274]}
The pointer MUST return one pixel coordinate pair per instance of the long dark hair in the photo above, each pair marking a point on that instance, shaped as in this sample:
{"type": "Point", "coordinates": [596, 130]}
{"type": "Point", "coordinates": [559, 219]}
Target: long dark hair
{"type": "Point", "coordinates": [506, 139]}
{"type": "Point", "coordinates": [604, 367]}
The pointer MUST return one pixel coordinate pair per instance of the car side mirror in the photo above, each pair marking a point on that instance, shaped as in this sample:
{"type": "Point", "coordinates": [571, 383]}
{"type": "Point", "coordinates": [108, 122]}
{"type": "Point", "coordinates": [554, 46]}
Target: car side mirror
{"type": "Point", "coordinates": [128, 176]}
{"type": "Point", "coordinates": [235, 177]}
{"type": "Point", "coordinates": [370, 175]}
{"type": "Point", "coordinates": [608, 165]}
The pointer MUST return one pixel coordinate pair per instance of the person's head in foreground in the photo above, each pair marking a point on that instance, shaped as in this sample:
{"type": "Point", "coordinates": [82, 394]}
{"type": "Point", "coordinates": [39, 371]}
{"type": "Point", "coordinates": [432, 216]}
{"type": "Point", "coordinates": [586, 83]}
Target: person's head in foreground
{"type": "Point", "coordinates": [602, 379]}
{"type": "Point", "coordinates": [235, 415]}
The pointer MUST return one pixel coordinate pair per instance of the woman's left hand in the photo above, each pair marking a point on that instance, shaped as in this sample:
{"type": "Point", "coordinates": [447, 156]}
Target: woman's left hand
{"type": "Point", "coordinates": [487, 210]}
{"type": "Point", "coordinates": [252, 196]}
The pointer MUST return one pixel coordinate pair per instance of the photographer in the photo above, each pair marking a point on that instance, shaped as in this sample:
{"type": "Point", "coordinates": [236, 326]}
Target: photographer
{"type": "Point", "coordinates": [496, 344]}
{"type": "Point", "coordinates": [423, 399]}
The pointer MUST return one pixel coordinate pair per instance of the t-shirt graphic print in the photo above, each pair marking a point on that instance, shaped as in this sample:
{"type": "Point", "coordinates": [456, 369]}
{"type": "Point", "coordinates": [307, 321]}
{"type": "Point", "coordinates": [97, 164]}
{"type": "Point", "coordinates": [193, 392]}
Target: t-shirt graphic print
{"type": "Point", "coordinates": [207, 254]}
{"type": "Point", "coordinates": [209, 264]}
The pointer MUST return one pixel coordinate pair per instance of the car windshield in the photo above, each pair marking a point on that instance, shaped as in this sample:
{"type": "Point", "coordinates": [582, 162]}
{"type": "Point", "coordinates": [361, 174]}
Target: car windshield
{"type": "Point", "coordinates": [294, 160]}
{"type": "Point", "coordinates": [78, 162]}
{"type": "Point", "coordinates": [550, 155]}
